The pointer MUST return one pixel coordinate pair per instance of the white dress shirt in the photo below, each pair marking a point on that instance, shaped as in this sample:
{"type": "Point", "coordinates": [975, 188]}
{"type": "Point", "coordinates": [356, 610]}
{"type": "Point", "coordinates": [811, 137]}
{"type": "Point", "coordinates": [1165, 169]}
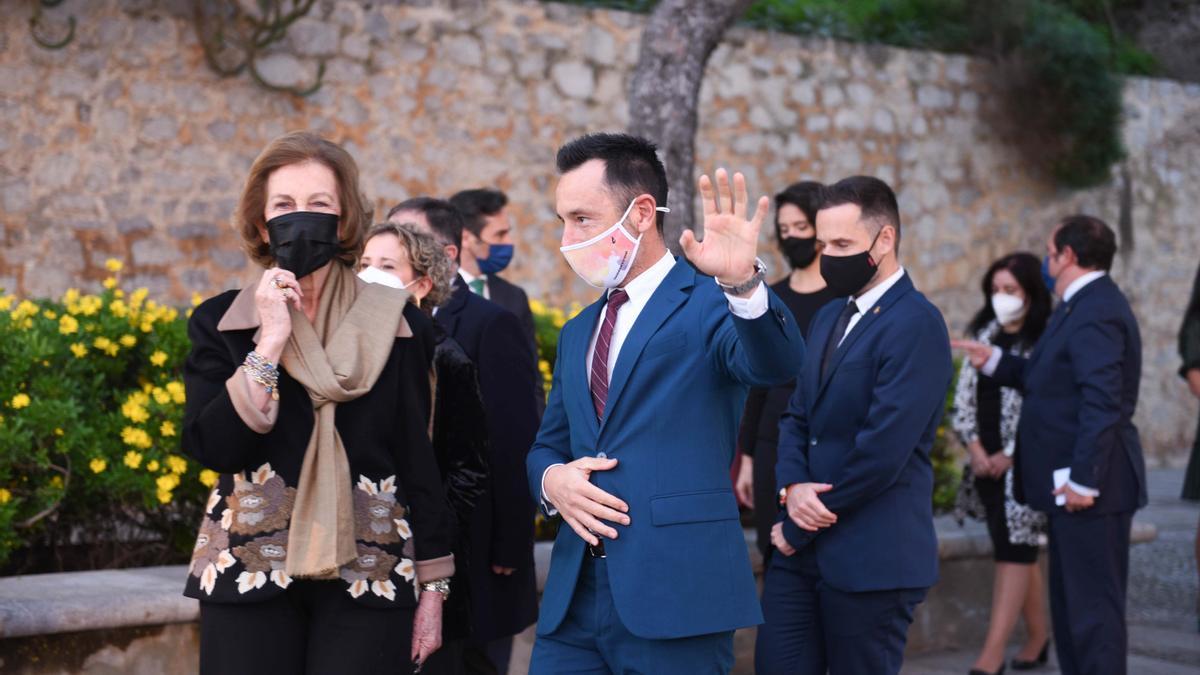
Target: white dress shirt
{"type": "Point", "coordinates": [868, 300]}
{"type": "Point", "coordinates": [640, 289]}
{"type": "Point", "coordinates": [1079, 283]}
{"type": "Point", "coordinates": [993, 362]}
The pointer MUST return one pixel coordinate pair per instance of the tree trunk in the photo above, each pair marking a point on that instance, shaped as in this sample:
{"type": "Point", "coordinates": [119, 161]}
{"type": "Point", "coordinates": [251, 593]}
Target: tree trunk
{"type": "Point", "coordinates": [664, 95]}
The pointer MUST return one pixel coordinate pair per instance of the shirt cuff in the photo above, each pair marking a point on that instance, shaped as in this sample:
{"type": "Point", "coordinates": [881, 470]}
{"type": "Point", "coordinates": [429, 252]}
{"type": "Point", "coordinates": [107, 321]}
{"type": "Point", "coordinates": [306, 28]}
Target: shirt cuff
{"type": "Point", "coordinates": [434, 569]}
{"type": "Point", "coordinates": [258, 420]}
{"type": "Point", "coordinates": [993, 362]}
{"type": "Point", "coordinates": [1081, 490]}
{"type": "Point", "coordinates": [752, 307]}
{"type": "Point", "coordinates": [547, 507]}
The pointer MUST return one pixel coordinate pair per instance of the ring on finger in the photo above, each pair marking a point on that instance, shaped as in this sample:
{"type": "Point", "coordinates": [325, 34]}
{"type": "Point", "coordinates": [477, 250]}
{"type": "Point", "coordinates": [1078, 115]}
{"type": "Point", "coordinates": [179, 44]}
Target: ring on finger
{"type": "Point", "coordinates": [278, 283]}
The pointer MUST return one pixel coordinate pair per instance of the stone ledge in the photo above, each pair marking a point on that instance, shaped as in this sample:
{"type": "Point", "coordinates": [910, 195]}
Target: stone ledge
{"type": "Point", "coordinates": [971, 540]}
{"type": "Point", "coordinates": [44, 604]}
{"type": "Point", "coordinates": [41, 604]}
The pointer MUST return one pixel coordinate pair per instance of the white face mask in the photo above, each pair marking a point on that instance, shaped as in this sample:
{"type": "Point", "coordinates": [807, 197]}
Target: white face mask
{"type": "Point", "coordinates": [374, 275]}
{"type": "Point", "coordinates": [1008, 308]}
{"type": "Point", "coordinates": [604, 260]}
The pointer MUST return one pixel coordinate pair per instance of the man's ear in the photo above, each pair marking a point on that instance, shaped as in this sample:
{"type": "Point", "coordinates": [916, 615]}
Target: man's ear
{"type": "Point", "coordinates": [644, 214]}
{"type": "Point", "coordinates": [888, 236]}
{"type": "Point", "coordinates": [1067, 257]}
{"type": "Point", "coordinates": [451, 252]}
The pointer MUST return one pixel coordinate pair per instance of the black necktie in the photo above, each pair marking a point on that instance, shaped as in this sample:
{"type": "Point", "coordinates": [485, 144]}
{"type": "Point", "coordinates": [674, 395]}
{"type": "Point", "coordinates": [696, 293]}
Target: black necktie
{"type": "Point", "coordinates": [835, 338]}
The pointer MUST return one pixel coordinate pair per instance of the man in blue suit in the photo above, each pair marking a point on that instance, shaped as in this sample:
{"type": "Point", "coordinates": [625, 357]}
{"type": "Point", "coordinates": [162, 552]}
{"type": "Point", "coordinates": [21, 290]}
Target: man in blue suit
{"type": "Point", "coordinates": [1081, 388]}
{"type": "Point", "coordinates": [650, 573]}
{"type": "Point", "coordinates": [856, 543]}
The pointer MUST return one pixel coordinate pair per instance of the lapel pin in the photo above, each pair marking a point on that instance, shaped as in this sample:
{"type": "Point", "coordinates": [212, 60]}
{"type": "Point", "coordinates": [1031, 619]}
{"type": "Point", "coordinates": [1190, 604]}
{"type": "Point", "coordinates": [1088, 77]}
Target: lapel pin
{"type": "Point", "coordinates": [876, 310]}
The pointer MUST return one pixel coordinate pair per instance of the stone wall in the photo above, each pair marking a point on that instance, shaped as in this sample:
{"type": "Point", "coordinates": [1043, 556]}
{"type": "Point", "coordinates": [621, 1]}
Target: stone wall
{"type": "Point", "coordinates": [125, 144]}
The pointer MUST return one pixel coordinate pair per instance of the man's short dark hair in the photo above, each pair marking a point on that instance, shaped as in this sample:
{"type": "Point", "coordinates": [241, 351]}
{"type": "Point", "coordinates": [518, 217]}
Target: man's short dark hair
{"type": "Point", "coordinates": [445, 220]}
{"type": "Point", "coordinates": [805, 195]}
{"type": "Point", "coordinates": [873, 196]}
{"type": "Point", "coordinates": [476, 206]}
{"type": "Point", "coordinates": [631, 166]}
{"type": "Point", "coordinates": [1093, 241]}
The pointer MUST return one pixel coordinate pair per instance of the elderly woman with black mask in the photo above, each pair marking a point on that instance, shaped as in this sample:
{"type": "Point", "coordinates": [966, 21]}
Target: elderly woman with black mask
{"type": "Point", "coordinates": [326, 543]}
{"type": "Point", "coordinates": [804, 292]}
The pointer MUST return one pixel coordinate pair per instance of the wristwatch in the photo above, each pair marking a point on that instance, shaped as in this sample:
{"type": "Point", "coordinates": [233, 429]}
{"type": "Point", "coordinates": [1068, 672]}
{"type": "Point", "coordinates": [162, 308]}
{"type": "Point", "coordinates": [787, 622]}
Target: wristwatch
{"type": "Point", "coordinates": [437, 586]}
{"type": "Point", "coordinates": [760, 273]}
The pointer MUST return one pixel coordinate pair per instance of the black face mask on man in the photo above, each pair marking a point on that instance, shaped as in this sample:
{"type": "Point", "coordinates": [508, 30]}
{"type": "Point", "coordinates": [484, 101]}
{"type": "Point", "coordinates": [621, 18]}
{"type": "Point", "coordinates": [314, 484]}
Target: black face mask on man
{"type": "Point", "coordinates": [303, 241]}
{"type": "Point", "coordinates": [847, 275]}
{"type": "Point", "coordinates": [800, 251]}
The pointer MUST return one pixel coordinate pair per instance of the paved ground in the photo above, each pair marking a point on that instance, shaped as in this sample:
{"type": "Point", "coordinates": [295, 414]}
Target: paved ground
{"type": "Point", "coordinates": [1163, 639]}
{"type": "Point", "coordinates": [1162, 600]}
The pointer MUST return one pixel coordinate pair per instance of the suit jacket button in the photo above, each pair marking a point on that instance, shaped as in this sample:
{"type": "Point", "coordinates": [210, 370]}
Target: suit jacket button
{"type": "Point", "coordinates": [813, 442]}
{"type": "Point", "coordinates": [601, 455]}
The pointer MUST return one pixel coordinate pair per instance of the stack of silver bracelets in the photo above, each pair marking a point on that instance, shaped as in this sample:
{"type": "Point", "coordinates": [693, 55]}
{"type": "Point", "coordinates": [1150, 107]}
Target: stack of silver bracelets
{"type": "Point", "coordinates": [263, 372]}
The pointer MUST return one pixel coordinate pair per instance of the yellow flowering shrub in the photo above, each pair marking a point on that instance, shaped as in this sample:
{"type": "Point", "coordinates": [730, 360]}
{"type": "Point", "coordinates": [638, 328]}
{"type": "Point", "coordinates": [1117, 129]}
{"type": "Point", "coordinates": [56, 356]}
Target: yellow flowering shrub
{"type": "Point", "coordinates": [548, 323]}
{"type": "Point", "coordinates": [91, 414]}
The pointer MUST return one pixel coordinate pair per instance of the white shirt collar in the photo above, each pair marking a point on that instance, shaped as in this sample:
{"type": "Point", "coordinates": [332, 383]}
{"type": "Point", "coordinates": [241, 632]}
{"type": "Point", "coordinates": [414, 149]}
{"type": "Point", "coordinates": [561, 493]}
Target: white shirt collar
{"type": "Point", "coordinates": [1079, 283]}
{"type": "Point", "coordinates": [643, 286]}
{"type": "Point", "coordinates": [867, 300]}
{"type": "Point", "coordinates": [468, 277]}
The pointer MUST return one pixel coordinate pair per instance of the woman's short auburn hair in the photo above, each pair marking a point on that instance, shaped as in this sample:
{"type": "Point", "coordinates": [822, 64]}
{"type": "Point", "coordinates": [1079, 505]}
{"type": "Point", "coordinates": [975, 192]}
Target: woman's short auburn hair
{"type": "Point", "coordinates": [298, 147]}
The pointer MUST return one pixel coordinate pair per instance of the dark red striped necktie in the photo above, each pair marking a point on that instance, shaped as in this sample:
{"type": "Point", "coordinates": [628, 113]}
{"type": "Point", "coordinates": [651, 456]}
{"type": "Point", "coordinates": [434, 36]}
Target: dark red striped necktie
{"type": "Point", "coordinates": [599, 381]}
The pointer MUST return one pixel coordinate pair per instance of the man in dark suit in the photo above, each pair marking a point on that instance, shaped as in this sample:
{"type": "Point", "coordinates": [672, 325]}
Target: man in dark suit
{"type": "Point", "coordinates": [487, 250]}
{"type": "Point", "coordinates": [1079, 457]}
{"type": "Point", "coordinates": [503, 580]}
{"type": "Point", "coordinates": [856, 549]}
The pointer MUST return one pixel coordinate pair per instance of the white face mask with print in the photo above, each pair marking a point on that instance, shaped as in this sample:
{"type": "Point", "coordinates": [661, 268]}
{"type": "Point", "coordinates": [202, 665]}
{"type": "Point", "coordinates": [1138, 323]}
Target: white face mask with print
{"type": "Point", "coordinates": [1008, 308]}
{"type": "Point", "coordinates": [604, 260]}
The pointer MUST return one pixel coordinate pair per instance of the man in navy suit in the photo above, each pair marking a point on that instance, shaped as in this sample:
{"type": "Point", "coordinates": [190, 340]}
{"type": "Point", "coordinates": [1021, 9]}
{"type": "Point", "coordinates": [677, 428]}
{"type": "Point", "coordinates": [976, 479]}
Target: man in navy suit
{"type": "Point", "coordinates": [503, 582]}
{"type": "Point", "coordinates": [650, 573]}
{"type": "Point", "coordinates": [857, 549]}
{"type": "Point", "coordinates": [487, 251]}
{"type": "Point", "coordinates": [1081, 388]}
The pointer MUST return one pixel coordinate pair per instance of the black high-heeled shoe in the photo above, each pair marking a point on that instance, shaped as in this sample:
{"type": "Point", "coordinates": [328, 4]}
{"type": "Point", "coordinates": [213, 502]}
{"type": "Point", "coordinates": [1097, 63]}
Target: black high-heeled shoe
{"type": "Point", "coordinates": [976, 671]}
{"type": "Point", "coordinates": [1043, 657]}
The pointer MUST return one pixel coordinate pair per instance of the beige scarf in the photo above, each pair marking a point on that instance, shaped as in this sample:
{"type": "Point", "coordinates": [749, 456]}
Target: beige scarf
{"type": "Point", "coordinates": [337, 358]}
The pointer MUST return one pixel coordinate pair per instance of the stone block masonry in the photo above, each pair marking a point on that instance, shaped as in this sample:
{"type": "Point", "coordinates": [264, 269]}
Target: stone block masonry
{"type": "Point", "coordinates": [125, 144]}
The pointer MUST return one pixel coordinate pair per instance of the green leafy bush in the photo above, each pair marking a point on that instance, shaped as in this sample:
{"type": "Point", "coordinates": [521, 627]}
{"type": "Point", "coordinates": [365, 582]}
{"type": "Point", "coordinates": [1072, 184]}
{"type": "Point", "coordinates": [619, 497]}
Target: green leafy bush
{"type": "Point", "coordinates": [1061, 57]}
{"type": "Point", "coordinates": [91, 407]}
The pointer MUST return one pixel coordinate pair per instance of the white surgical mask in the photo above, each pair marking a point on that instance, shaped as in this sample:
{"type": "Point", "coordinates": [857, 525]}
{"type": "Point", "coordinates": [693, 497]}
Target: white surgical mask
{"type": "Point", "coordinates": [1008, 308]}
{"type": "Point", "coordinates": [604, 260]}
{"type": "Point", "coordinates": [374, 275]}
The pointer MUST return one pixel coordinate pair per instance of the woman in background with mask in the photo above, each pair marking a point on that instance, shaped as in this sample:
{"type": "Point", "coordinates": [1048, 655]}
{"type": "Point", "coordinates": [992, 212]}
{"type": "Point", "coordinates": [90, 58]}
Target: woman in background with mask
{"type": "Point", "coordinates": [326, 543]}
{"type": "Point", "coordinates": [403, 256]}
{"type": "Point", "coordinates": [804, 292]}
{"type": "Point", "coordinates": [1016, 308]}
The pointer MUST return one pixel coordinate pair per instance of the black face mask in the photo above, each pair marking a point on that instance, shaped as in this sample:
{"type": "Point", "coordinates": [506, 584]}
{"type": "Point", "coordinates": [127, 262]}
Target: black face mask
{"type": "Point", "coordinates": [303, 241]}
{"type": "Point", "coordinates": [800, 251]}
{"type": "Point", "coordinates": [847, 275]}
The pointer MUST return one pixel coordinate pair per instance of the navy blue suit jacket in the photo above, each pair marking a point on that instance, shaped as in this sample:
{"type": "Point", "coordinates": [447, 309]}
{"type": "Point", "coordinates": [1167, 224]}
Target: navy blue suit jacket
{"type": "Point", "coordinates": [681, 567]}
{"type": "Point", "coordinates": [1081, 389]}
{"type": "Point", "coordinates": [867, 428]}
{"type": "Point", "coordinates": [502, 524]}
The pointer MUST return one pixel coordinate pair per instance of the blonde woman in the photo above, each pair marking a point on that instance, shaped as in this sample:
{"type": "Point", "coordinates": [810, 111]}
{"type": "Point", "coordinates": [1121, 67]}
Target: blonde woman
{"type": "Point", "coordinates": [404, 257]}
